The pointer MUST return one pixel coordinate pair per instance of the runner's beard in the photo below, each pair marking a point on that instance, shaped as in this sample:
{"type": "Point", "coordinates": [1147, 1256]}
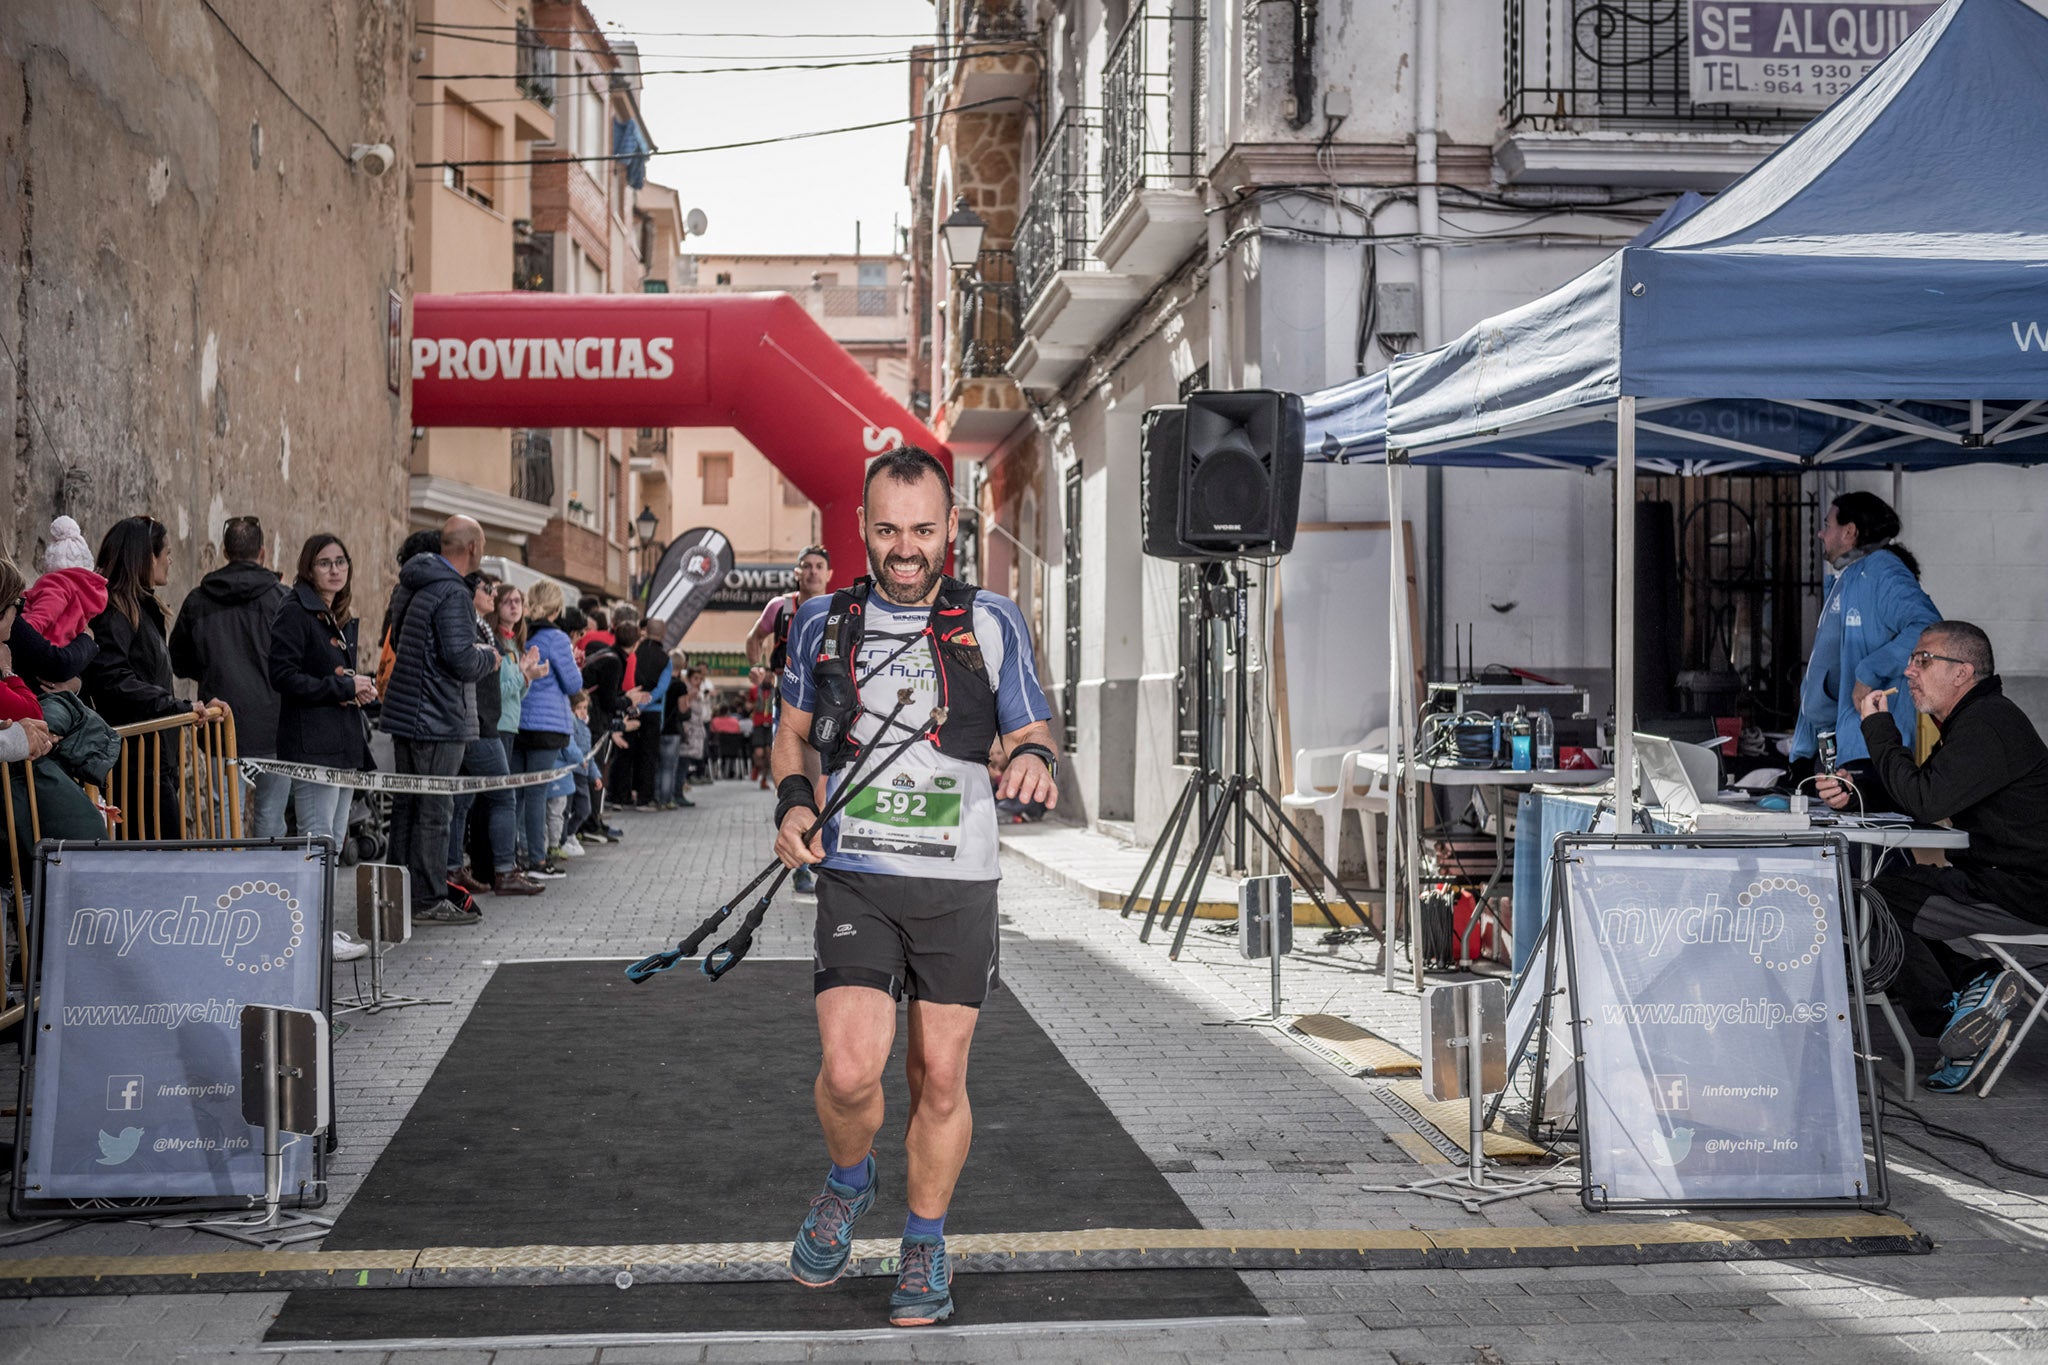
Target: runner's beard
{"type": "Point", "coordinates": [887, 585]}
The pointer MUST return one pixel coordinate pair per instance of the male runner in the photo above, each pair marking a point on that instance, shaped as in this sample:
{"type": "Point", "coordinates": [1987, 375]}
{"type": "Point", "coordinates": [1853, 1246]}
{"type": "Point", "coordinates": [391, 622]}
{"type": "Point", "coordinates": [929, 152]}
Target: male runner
{"type": "Point", "coordinates": [768, 642]}
{"type": "Point", "coordinates": [907, 880]}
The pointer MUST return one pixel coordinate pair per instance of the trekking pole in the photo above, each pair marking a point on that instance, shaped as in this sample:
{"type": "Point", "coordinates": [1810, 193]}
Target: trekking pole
{"type": "Point", "coordinates": [654, 963]}
{"type": "Point", "coordinates": [727, 955]}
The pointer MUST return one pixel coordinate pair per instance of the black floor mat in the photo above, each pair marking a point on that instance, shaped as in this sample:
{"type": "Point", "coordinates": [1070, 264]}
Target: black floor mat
{"type": "Point", "coordinates": [576, 1108]}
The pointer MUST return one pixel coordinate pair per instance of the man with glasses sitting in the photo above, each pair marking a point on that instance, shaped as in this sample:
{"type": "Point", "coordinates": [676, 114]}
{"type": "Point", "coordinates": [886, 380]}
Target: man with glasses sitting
{"type": "Point", "coordinates": [1988, 776]}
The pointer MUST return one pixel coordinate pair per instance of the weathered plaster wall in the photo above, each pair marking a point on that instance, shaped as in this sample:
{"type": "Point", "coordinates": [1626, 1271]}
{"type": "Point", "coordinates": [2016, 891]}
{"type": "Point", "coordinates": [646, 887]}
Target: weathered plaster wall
{"type": "Point", "coordinates": [193, 279]}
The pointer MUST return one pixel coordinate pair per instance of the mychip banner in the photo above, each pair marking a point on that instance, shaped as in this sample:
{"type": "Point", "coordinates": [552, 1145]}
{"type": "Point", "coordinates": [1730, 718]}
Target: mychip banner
{"type": "Point", "coordinates": [1715, 1024]}
{"type": "Point", "coordinates": [149, 954]}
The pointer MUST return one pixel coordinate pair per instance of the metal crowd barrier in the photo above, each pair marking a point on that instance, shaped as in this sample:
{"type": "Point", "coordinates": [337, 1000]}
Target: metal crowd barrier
{"type": "Point", "coordinates": [205, 776]}
{"type": "Point", "coordinates": [15, 1004]}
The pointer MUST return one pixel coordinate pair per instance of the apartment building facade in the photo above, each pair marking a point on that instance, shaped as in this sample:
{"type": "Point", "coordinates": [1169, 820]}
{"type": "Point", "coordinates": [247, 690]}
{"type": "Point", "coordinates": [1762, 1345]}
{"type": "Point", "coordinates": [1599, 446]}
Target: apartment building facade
{"type": "Point", "coordinates": [1187, 194]}
{"type": "Point", "coordinates": [722, 480]}
{"type": "Point", "coordinates": [538, 84]}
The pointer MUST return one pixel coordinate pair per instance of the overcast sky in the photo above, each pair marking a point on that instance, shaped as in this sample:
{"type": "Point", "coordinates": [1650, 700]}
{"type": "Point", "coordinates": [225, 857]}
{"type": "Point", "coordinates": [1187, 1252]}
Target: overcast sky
{"type": "Point", "coordinates": [796, 197]}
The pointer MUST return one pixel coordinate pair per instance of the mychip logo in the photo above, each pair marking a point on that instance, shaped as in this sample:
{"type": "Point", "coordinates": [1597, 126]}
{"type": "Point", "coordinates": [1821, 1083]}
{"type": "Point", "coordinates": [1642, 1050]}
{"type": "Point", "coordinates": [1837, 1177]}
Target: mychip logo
{"type": "Point", "coordinates": [1781, 922]}
{"type": "Point", "coordinates": [255, 927]}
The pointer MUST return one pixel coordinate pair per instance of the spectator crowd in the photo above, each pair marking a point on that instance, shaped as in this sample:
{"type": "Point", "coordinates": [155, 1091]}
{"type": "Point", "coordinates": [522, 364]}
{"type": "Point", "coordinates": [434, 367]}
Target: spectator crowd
{"type": "Point", "coordinates": [466, 675]}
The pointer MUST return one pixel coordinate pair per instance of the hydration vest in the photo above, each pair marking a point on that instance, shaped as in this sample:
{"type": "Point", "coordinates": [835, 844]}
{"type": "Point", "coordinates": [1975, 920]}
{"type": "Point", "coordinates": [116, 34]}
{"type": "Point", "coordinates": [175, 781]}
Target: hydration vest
{"type": "Point", "coordinates": [965, 689]}
{"type": "Point", "coordinates": [779, 659]}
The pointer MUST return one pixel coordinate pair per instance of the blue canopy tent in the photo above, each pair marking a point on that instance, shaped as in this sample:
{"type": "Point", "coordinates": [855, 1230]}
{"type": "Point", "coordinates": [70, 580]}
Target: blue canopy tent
{"type": "Point", "coordinates": [1874, 295]}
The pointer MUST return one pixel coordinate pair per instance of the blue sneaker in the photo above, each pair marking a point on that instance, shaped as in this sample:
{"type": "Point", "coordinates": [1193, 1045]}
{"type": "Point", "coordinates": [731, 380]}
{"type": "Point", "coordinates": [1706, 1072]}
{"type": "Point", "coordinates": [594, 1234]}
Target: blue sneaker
{"type": "Point", "coordinates": [1976, 1011]}
{"type": "Point", "coordinates": [825, 1242]}
{"type": "Point", "coordinates": [1956, 1073]}
{"type": "Point", "coordinates": [924, 1287]}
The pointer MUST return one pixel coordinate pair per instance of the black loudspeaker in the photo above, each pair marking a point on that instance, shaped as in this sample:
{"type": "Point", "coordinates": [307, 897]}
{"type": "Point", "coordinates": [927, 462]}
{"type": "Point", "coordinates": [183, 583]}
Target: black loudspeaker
{"type": "Point", "coordinates": [1160, 441]}
{"type": "Point", "coordinates": [1240, 489]}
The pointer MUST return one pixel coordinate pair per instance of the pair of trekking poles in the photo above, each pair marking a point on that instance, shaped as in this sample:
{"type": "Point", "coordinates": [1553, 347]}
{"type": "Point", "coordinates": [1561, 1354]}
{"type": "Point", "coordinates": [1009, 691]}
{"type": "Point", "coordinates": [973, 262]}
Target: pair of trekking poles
{"type": "Point", "coordinates": [728, 954]}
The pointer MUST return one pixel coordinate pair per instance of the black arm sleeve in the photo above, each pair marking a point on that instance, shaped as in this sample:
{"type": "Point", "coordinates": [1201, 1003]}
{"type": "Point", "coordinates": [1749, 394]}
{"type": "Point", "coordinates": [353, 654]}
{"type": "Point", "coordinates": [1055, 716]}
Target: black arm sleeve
{"type": "Point", "coordinates": [1966, 768]}
{"type": "Point", "coordinates": [36, 657]}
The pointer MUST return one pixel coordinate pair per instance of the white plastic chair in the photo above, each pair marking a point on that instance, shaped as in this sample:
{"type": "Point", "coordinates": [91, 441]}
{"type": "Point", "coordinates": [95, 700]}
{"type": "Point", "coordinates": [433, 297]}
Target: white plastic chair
{"type": "Point", "coordinates": [1329, 782]}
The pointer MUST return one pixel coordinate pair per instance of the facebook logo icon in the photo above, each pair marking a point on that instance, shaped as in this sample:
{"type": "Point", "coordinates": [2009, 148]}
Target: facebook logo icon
{"type": "Point", "coordinates": [124, 1092]}
{"type": "Point", "coordinates": [1674, 1092]}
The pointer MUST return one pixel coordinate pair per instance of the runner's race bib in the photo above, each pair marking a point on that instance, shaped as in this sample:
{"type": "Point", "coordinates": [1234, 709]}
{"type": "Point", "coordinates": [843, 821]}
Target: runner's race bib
{"type": "Point", "coordinates": [914, 815]}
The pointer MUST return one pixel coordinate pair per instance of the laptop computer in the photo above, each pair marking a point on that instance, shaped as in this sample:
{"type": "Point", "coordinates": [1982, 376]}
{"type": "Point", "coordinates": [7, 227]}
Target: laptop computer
{"type": "Point", "coordinates": [1676, 775]}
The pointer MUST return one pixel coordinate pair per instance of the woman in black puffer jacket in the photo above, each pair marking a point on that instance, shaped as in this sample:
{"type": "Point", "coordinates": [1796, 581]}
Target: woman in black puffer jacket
{"type": "Point", "coordinates": [320, 694]}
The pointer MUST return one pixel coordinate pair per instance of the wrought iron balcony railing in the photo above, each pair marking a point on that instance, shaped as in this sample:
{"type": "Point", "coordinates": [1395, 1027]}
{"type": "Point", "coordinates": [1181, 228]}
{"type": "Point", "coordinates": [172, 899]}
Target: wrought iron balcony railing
{"type": "Point", "coordinates": [533, 467]}
{"type": "Point", "coordinates": [1614, 64]}
{"type": "Point", "coordinates": [1151, 101]}
{"type": "Point", "coordinates": [534, 67]}
{"type": "Point", "coordinates": [988, 315]}
{"type": "Point", "coordinates": [1064, 212]}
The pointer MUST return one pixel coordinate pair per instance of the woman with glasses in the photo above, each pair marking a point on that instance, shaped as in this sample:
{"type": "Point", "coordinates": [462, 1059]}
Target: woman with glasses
{"type": "Point", "coordinates": [320, 695]}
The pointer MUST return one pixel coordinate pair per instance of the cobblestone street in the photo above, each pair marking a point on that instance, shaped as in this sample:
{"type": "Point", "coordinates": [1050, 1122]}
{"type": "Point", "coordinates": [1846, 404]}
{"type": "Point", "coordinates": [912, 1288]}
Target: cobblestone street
{"type": "Point", "coordinates": [1251, 1130]}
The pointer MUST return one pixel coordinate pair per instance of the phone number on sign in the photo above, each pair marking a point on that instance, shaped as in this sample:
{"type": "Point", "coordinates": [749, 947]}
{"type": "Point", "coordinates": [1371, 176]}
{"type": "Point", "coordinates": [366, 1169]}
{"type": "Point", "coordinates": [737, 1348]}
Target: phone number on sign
{"type": "Point", "coordinates": [1809, 78]}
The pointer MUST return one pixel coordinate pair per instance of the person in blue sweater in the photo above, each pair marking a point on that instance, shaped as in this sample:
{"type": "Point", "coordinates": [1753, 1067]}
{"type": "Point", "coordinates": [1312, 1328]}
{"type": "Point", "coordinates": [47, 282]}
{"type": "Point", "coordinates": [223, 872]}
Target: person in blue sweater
{"type": "Point", "coordinates": [1874, 612]}
{"type": "Point", "coordinates": [545, 728]}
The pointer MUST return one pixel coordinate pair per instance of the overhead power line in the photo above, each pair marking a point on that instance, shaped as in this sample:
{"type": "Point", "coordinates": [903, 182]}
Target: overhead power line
{"type": "Point", "coordinates": [721, 147]}
{"type": "Point", "coordinates": [831, 65]}
{"type": "Point", "coordinates": [665, 33]}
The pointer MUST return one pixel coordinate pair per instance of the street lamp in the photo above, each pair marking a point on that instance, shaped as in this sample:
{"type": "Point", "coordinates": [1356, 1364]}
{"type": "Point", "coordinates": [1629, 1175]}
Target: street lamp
{"type": "Point", "coordinates": [963, 229]}
{"type": "Point", "coordinates": [648, 523]}
{"type": "Point", "coordinates": [645, 525]}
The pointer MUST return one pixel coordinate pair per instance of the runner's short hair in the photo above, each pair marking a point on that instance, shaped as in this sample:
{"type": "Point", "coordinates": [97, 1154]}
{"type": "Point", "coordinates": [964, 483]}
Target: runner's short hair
{"type": "Point", "coordinates": [908, 464]}
{"type": "Point", "coordinates": [818, 550]}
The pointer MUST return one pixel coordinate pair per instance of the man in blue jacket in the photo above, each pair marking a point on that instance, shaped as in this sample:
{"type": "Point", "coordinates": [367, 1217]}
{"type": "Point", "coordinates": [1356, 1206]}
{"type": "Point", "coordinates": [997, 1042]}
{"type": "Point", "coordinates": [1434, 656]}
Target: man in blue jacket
{"type": "Point", "coordinates": [430, 705]}
{"type": "Point", "coordinates": [1873, 615]}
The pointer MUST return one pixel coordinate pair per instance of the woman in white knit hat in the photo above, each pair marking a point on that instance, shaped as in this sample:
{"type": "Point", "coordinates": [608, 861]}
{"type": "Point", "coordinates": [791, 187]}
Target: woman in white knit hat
{"type": "Point", "coordinates": [49, 641]}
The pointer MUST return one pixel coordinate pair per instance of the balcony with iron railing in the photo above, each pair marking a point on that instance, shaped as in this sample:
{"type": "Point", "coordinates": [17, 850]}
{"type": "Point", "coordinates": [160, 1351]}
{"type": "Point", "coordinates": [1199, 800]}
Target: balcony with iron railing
{"type": "Point", "coordinates": [1063, 206]}
{"type": "Point", "coordinates": [988, 316]}
{"type": "Point", "coordinates": [534, 68]}
{"type": "Point", "coordinates": [1069, 296]}
{"type": "Point", "coordinates": [1150, 107]}
{"type": "Point", "coordinates": [533, 467]}
{"type": "Point", "coordinates": [1151, 140]}
{"type": "Point", "coordinates": [1600, 92]}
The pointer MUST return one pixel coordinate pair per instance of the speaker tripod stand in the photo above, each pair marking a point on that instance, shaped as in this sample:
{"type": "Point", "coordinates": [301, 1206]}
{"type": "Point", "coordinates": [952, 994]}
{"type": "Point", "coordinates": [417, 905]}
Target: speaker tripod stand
{"type": "Point", "coordinates": [1240, 802]}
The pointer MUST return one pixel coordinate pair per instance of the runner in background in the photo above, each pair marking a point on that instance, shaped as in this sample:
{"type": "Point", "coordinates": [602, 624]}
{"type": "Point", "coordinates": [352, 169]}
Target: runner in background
{"type": "Point", "coordinates": [768, 645]}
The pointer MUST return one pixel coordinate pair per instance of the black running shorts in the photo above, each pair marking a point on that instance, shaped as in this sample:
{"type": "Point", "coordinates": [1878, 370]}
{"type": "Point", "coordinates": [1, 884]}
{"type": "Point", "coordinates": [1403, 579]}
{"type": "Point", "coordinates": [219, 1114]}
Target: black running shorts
{"type": "Point", "coordinates": [932, 940]}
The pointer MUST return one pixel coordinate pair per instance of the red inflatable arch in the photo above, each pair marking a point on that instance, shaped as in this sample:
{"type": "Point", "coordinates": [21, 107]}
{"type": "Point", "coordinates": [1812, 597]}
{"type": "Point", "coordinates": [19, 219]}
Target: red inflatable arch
{"type": "Point", "coordinates": [756, 362]}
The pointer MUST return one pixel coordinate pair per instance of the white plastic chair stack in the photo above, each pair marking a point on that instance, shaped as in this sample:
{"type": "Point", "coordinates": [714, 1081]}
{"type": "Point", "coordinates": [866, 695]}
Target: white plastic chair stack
{"type": "Point", "coordinates": [1330, 782]}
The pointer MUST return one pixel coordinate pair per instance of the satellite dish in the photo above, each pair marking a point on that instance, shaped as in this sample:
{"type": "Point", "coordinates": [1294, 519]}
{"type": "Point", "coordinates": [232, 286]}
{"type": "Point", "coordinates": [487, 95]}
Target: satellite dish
{"type": "Point", "coordinates": [695, 223]}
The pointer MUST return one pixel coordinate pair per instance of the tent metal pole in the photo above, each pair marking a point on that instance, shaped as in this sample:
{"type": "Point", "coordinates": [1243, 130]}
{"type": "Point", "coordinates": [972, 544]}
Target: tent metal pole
{"type": "Point", "coordinates": [1397, 720]}
{"type": "Point", "coordinates": [1625, 610]}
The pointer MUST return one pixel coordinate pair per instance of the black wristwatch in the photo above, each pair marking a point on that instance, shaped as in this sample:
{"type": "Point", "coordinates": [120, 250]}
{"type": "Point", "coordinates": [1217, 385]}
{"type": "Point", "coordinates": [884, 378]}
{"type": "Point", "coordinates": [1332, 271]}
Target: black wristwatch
{"type": "Point", "coordinates": [1050, 759]}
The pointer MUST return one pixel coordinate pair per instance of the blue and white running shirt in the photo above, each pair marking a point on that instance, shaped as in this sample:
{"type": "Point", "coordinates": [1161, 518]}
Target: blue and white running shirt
{"type": "Point", "coordinates": [926, 815]}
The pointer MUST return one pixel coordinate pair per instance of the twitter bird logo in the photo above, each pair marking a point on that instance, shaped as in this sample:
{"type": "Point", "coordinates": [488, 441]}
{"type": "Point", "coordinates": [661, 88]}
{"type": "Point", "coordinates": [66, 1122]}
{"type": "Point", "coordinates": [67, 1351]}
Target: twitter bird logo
{"type": "Point", "coordinates": [1673, 1149]}
{"type": "Point", "coordinates": [115, 1150]}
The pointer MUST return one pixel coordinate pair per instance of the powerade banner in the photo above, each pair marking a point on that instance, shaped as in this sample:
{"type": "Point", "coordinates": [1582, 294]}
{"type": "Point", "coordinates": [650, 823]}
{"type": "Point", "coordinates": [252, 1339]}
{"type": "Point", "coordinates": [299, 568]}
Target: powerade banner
{"type": "Point", "coordinates": [751, 587]}
{"type": "Point", "coordinates": [690, 573]}
{"type": "Point", "coordinates": [148, 956]}
{"type": "Point", "coordinates": [1712, 994]}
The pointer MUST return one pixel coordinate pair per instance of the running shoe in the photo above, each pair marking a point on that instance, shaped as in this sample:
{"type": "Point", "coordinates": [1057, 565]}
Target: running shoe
{"type": "Point", "coordinates": [805, 883]}
{"type": "Point", "coordinates": [546, 872]}
{"type": "Point", "coordinates": [924, 1285]}
{"type": "Point", "coordinates": [572, 847]}
{"type": "Point", "coordinates": [1976, 1011]}
{"type": "Point", "coordinates": [444, 912]}
{"type": "Point", "coordinates": [1955, 1074]}
{"type": "Point", "coordinates": [824, 1243]}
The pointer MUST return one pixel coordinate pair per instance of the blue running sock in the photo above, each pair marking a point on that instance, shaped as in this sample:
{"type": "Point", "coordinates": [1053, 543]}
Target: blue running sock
{"type": "Point", "coordinates": [854, 1177]}
{"type": "Point", "coordinates": [915, 1226]}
